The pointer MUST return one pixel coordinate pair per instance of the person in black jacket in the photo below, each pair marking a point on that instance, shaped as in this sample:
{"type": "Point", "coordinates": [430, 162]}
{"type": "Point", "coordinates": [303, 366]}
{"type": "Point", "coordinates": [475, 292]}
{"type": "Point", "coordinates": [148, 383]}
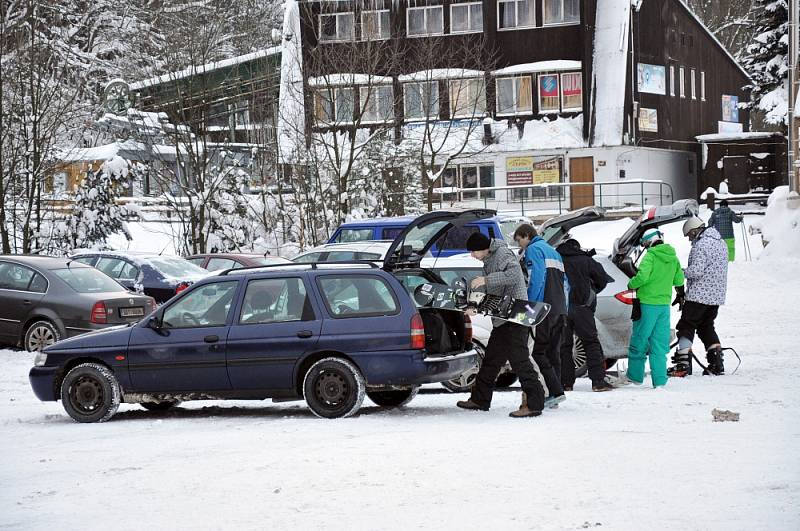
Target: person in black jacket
{"type": "Point", "coordinates": [586, 278]}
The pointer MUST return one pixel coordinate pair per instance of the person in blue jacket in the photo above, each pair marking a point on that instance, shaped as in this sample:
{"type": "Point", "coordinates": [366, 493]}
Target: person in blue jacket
{"type": "Point", "coordinates": [546, 284]}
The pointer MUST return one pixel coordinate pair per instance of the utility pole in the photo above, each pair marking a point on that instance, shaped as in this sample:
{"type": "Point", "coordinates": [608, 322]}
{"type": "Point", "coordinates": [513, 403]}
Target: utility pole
{"type": "Point", "coordinates": [794, 156]}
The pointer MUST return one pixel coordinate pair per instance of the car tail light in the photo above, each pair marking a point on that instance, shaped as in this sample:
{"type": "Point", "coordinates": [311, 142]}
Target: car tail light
{"type": "Point", "coordinates": [417, 332]}
{"type": "Point", "coordinates": [467, 329]}
{"type": "Point", "coordinates": [651, 213]}
{"type": "Point", "coordinates": [626, 297]}
{"type": "Point", "coordinates": [180, 287]}
{"type": "Point", "coordinates": [99, 313]}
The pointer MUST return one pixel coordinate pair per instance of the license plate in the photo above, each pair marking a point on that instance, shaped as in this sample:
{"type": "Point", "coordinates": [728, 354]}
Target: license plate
{"type": "Point", "coordinates": [131, 312]}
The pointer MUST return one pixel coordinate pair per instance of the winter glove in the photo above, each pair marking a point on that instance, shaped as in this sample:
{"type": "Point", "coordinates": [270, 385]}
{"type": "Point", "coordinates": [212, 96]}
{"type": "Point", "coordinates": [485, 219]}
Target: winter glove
{"type": "Point", "coordinates": [636, 310]}
{"type": "Point", "coordinates": [680, 297]}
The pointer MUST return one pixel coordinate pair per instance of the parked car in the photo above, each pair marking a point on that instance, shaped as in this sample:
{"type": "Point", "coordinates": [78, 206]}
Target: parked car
{"type": "Point", "coordinates": [222, 261]}
{"type": "Point", "coordinates": [345, 252]}
{"type": "Point", "coordinates": [155, 275]}
{"type": "Point", "coordinates": [44, 299]}
{"type": "Point", "coordinates": [453, 242]}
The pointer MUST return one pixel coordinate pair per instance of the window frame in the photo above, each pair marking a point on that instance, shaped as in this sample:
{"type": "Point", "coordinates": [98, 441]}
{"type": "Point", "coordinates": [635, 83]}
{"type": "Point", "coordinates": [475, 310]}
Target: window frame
{"type": "Point", "coordinates": [476, 110]}
{"type": "Point", "coordinates": [693, 83]}
{"type": "Point", "coordinates": [539, 93]}
{"type": "Point", "coordinates": [682, 79]}
{"type": "Point", "coordinates": [238, 319]}
{"type": "Point", "coordinates": [326, 303]}
{"type": "Point", "coordinates": [468, 5]}
{"type": "Point", "coordinates": [702, 85]}
{"type": "Point", "coordinates": [375, 99]}
{"type": "Point", "coordinates": [425, 10]}
{"type": "Point", "coordinates": [228, 317]}
{"type": "Point", "coordinates": [516, 25]}
{"type": "Point", "coordinates": [672, 80]}
{"type": "Point", "coordinates": [479, 195]}
{"type": "Point", "coordinates": [334, 119]}
{"type": "Point", "coordinates": [30, 281]}
{"type": "Point", "coordinates": [351, 38]}
{"type": "Point", "coordinates": [515, 112]}
{"type": "Point", "coordinates": [436, 111]}
{"type": "Point", "coordinates": [561, 92]}
{"type": "Point", "coordinates": [562, 22]}
{"type": "Point", "coordinates": [380, 24]}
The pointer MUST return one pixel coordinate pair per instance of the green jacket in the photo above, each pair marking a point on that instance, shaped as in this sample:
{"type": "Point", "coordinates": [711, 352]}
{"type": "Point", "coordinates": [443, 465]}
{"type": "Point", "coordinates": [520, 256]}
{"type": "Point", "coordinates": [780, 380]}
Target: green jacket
{"type": "Point", "coordinates": [658, 272]}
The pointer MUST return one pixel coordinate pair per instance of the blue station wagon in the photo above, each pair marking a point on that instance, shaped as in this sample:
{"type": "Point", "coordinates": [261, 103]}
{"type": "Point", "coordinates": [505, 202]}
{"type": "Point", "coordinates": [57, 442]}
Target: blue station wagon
{"type": "Point", "coordinates": [327, 333]}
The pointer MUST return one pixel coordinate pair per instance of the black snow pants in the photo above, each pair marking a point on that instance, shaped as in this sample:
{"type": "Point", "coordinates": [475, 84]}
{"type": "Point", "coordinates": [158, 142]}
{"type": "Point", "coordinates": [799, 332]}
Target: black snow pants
{"type": "Point", "coordinates": [698, 317]}
{"type": "Point", "coordinates": [581, 323]}
{"type": "Point", "coordinates": [547, 352]}
{"type": "Point", "coordinates": [508, 342]}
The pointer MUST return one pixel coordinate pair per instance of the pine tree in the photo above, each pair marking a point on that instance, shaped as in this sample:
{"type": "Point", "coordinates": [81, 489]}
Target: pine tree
{"type": "Point", "coordinates": [766, 60]}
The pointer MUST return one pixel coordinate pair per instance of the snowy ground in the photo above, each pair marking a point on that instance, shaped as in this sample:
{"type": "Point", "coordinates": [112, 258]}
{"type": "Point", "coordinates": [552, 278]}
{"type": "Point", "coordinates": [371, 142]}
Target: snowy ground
{"type": "Point", "coordinates": [634, 458]}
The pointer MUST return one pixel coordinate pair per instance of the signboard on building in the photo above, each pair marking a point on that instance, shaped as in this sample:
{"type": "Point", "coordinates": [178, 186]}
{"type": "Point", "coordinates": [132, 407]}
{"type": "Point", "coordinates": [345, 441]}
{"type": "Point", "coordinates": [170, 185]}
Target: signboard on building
{"type": "Point", "coordinates": [729, 127]}
{"type": "Point", "coordinates": [730, 108]}
{"type": "Point", "coordinates": [547, 170]}
{"type": "Point", "coordinates": [648, 120]}
{"type": "Point", "coordinates": [652, 79]}
{"type": "Point", "coordinates": [548, 86]}
{"type": "Point", "coordinates": [519, 170]}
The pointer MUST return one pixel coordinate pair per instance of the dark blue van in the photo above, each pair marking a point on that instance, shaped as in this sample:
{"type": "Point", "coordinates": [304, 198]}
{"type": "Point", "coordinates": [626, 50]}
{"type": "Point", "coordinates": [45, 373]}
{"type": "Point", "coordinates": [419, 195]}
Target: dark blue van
{"type": "Point", "coordinates": [327, 333]}
{"type": "Point", "coordinates": [453, 242]}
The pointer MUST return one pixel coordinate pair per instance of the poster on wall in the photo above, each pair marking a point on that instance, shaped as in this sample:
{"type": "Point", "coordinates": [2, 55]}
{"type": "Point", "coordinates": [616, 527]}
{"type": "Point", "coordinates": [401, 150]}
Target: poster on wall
{"type": "Point", "coordinates": [548, 86]}
{"type": "Point", "coordinates": [652, 79]}
{"type": "Point", "coordinates": [730, 108]}
{"type": "Point", "coordinates": [729, 127]}
{"type": "Point", "coordinates": [519, 170]}
{"type": "Point", "coordinates": [547, 170]}
{"type": "Point", "coordinates": [648, 120]}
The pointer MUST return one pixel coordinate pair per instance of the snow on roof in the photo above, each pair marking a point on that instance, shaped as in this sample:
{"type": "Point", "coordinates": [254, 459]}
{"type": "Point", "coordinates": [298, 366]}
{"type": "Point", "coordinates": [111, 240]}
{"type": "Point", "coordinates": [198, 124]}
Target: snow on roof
{"type": "Point", "coordinates": [104, 152]}
{"type": "Point", "coordinates": [538, 66]}
{"type": "Point", "coordinates": [437, 74]}
{"type": "Point", "coordinates": [347, 79]}
{"type": "Point", "coordinates": [610, 63]}
{"type": "Point", "coordinates": [719, 137]}
{"type": "Point", "coordinates": [202, 69]}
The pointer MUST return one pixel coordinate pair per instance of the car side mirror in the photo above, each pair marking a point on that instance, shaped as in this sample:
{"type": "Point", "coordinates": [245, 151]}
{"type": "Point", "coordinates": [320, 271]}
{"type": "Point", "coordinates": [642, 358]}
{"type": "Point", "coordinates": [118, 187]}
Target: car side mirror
{"type": "Point", "coordinates": [132, 289]}
{"type": "Point", "coordinates": [154, 323]}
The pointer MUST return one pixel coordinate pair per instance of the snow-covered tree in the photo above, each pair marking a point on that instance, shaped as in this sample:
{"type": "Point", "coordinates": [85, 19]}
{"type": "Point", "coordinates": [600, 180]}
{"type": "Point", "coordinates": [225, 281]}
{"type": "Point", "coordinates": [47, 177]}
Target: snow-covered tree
{"type": "Point", "coordinates": [766, 59]}
{"type": "Point", "coordinates": [730, 21]}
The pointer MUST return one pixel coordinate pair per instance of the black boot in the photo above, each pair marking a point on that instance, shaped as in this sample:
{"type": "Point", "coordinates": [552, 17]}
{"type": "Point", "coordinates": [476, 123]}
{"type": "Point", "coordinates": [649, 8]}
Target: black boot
{"type": "Point", "coordinates": [716, 365]}
{"type": "Point", "coordinates": [682, 364]}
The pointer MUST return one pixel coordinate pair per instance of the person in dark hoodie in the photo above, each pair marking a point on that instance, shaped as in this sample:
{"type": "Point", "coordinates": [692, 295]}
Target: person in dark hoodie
{"type": "Point", "coordinates": [546, 284]}
{"type": "Point", "coordinates": [502, 275]}
{"type": "Point", "coordinates": [586, 278]}
{"type": "Point", "coordinates": [723, 219]}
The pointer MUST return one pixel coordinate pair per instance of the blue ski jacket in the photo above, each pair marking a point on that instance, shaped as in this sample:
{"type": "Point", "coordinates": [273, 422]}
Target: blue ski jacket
{"type": "Point", "coordinates": [546, 269]}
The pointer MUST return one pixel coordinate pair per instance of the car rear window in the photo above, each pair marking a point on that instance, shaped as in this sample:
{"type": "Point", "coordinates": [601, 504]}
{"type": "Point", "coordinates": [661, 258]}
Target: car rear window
{"type": "Point", "coordinates": [357, 296]}
{"type": "Point", "coordinates": [353, 235]}
{"type": "Point", "coordinates": [87, 280]}
{"type": "Point", "coordinates": [176, 267]}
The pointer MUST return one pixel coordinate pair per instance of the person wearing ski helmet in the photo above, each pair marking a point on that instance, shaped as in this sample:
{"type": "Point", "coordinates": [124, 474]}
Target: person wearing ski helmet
{"type": "Point", "coordinates": [706, 283]}
{"type": "Point", "coordinates": [659, 271]}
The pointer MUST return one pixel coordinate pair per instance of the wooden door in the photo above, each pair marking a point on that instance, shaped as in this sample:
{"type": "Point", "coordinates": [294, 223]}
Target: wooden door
{"type": "Point", "coordinates": [581, 170]}
{"type": "Point", "coordinates": [735, 170]}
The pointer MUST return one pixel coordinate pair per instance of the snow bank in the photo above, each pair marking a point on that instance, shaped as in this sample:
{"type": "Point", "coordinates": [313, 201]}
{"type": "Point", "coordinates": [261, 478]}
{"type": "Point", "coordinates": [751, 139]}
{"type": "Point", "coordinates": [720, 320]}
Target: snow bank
{"type": "Point", "coordinates": [781, 225]}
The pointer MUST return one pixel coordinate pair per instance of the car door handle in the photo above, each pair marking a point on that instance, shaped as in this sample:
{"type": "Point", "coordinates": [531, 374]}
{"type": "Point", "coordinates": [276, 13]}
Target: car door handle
{"type": "Point", "coordinates": [211, 339]}
{"type": "Point", "coordinates": [305, 333]}
{"type": "Point", "coordinates": [26, 301]}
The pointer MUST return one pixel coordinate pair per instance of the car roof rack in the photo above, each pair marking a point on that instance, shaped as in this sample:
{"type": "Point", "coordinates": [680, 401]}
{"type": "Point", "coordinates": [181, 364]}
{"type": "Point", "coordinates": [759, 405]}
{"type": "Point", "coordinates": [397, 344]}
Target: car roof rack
{"type": "Point", "coordinates": [311, 265]}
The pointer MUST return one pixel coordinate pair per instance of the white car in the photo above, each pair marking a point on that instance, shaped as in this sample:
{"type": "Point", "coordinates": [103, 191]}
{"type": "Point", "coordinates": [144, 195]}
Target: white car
{"type": "Point", "coordinates": [345, 252]}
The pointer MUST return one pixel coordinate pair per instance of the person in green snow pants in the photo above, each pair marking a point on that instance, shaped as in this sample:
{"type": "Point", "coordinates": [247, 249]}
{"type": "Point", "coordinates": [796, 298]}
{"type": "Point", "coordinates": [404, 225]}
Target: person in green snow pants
{"type": "Point", "coordinates": [659, 271]}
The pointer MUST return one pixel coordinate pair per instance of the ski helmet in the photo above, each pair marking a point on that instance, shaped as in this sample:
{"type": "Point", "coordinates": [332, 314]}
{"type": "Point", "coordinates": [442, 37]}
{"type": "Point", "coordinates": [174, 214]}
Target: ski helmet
{"type": "Point", "coordinates": [691, 224]}
{"type": "Point", "coordinates": [651, 236]}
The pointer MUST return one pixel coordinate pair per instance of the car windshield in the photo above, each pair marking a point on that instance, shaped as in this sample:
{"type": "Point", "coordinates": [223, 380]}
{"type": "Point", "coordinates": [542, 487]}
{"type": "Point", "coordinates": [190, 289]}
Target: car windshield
{"type": "Point", "coordinates": [176, 267]}
{"type": "Point", "coordinates": [508, 228]}
{"type": "Point", "coordinates": [87, 280]}
{"type": "Point", "coordinates": [267, 260]}
{"type": "Point", "coordinates": [353, 235]}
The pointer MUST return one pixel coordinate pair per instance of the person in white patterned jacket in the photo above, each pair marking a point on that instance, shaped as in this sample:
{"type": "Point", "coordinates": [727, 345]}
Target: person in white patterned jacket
{"type": "Point", "coordinates": [706, 283]}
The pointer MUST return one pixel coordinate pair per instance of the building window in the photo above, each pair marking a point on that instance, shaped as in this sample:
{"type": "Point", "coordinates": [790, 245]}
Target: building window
{"type": "Point", "coordinates": [703, 86]}
{"type": "Point", "coordinates": [421, 100]}
{"type": "Point", "coordinates": [549, 93]}
{"type": "Point", "coordinates": [377, 103]}
{"type": "Point", "coordinates": [561, 11]}
{"type": "Point", "coordinates": [514, 95]}
{"type": "Point", "coordinates": [336, 27]}
{"type": "Point", "coordinates": [425, 21]}
{"type": "Point", "coordinates": [571, 92]}
{"type": "Point", "coordinates": [375, 25]}
{"type": "Point", "coordinates": [476, 176]}
{"type": "Point", "coordinates": [467, 97]}
{"type": "Point", "coordinates": [515, 14]}
{"type": "Point", "coordinates": [334, 105]}
{"type": "Point", "coordinates": [466, 18]}
{"type": "Point", "coordinates": [682, 84]}
{"type": "Point", "coordinates": [692, 77]}
{"type": "Point", "coordinates": [671, 80]}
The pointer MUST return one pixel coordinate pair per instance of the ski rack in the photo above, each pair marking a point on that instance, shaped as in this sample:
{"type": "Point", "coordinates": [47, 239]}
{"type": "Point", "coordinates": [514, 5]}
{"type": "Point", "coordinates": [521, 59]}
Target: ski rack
{"type": "Point", "coordinates": [311, 265]}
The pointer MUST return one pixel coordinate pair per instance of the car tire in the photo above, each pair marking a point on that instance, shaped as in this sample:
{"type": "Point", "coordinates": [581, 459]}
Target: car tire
{"type": "Point", "coordinates": [506, 379]}
{"type": "Point", "coordinates": [463, 383]}
{"type": "Point", "coordinates": [333, 388]}
{"type": "Point", "coordinates": [392, 399]}
{"type": "Point", "coordinates": [39, 335]}
{"type": "Point", "coordinates": [160, 406]}
{"type": "Point", "coordinates": [90, 393]}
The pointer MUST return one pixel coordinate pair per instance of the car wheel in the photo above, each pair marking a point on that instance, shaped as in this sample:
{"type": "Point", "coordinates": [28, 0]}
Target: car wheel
{"type": "Point", "coordinates": [160, 406]}
{"type": "Point", "coordinates": [333, 388]}
{"type": "Point", "coordinates": [39, 335]}
{"type": "Point", "coordinates": [90, 393]}
{"type": "Point", "coordinates": [579, 357]}
{"type": "Point", "coordinates": [393, 398]}
{"type": "Point", "coordinates": [463, 383]}
{"type": "Point", "coordinates": [506, 379]}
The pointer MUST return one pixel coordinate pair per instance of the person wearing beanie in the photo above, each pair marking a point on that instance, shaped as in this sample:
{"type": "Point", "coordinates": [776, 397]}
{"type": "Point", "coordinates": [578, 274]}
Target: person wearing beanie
{"type": "Point", "coordinates": [502, 276]}
{"type": "Point", "coordinates": [723, 219]}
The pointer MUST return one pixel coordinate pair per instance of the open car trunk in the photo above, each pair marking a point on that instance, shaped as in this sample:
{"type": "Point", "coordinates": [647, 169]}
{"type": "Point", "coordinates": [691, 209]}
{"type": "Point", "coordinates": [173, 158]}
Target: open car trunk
{"type": "Point", "coordinates": [445, 332]}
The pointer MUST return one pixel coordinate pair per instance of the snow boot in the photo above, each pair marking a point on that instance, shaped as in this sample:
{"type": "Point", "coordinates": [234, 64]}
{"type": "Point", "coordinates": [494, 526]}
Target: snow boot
{"type": "Point", "coordinates": [469, 404]}
{"type": "Point", "coordinates": [682, 364]}
{"type": "Point", "coordinates": [715, 360]}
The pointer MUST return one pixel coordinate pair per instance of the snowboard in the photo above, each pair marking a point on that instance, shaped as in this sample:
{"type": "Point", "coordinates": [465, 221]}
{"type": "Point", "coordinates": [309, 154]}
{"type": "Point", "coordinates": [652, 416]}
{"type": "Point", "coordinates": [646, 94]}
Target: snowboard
{"type": "Point", "coordinates": [460, 298]}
